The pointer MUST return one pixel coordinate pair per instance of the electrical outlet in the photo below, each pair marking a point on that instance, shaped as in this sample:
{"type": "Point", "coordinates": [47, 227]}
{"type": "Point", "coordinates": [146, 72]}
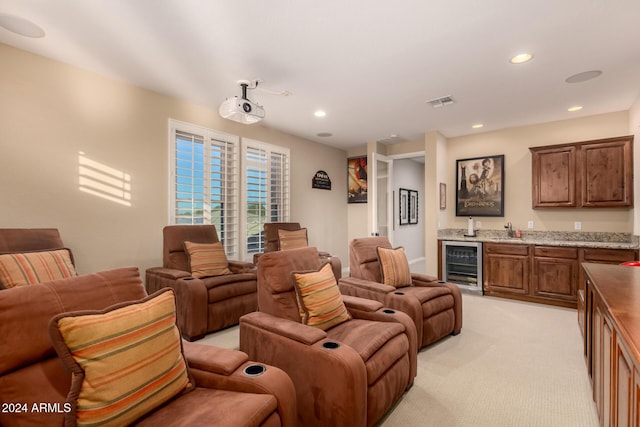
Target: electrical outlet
{"type": "Point", "coordinates": [530, 224]}
{"type": "Point", "coordinates": [577, 225]}
{"type": "Point", "coordinates": [478, 224]}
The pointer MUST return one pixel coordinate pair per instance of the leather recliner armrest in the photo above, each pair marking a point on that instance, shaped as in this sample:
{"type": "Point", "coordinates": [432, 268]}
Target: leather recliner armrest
{"type": "Point", "coordinates": [213, 359]}
{"type": "Point", "coordinates": [361, 304]}
{"type": "Point", "coordinates": [192, 307]}
{"type": "Point", "coordinates": [366, 285]}
{"type": "Point", "coordinates": [168, 273]}
{"type": "Point", "coordinates": [225, 369]}
{"type": "Point", "coordinates": [424, 280]}
{"type": "Point", "coordinates": [241, 266]}
{"type": "Point", "coordinates": [364, 289]}
{"type": "Point", "coordinates": [295, 331]}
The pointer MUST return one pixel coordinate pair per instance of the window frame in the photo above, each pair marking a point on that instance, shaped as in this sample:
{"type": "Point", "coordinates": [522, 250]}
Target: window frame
{"type": "Point", "coordinates": [229, 235]}
{"type": "Point", "coordinates": [285, 181]}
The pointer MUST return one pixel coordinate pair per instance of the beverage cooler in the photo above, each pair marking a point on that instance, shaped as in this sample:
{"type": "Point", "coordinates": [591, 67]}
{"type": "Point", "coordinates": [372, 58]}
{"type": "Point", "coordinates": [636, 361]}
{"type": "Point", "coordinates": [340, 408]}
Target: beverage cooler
{"type": "Point", "coordinates": [462, 264]}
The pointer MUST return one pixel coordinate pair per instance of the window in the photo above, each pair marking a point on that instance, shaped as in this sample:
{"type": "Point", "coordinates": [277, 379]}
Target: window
{"type": "Point", "coordinates": [204, 176]}
{"type": "Point", "coordinates": [265, 173]}
{"type": "Point", "coordinates": [204, 181]}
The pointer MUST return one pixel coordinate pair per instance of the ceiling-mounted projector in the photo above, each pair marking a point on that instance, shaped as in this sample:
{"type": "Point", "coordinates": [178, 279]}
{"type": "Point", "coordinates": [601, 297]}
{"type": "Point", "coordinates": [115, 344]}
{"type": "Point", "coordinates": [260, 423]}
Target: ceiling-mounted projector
{"type": "Point", "coordinates": [241, 109]}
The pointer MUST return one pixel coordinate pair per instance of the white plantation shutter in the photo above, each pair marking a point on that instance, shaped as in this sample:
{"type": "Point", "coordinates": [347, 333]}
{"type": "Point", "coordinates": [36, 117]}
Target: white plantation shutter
{"type": "Point", "coordinates": [265, 173]}
{"type": "Point", "coordinates": [204, 181]}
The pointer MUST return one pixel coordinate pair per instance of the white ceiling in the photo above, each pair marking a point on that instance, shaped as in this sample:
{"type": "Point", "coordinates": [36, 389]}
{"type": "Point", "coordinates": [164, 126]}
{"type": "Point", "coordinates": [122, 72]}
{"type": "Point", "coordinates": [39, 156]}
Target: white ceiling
{"type": "Point", "coordinates": [371, 65]}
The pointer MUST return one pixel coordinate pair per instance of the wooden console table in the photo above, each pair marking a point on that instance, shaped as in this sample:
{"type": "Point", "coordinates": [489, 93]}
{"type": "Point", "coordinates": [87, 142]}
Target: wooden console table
{"type": "Point", "coordinates": [611, 333]}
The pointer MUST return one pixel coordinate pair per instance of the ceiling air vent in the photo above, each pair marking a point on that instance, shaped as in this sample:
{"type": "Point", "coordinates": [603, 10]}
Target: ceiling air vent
{"type": "Point", "coordinates": [440, 102]}
{"type": "Point", "coordinates": [393, 139]}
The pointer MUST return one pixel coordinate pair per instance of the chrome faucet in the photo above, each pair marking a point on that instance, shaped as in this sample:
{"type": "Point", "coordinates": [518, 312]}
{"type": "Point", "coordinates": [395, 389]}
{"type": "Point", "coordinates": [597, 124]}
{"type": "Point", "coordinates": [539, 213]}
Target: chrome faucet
{"type": "Point", "coordinates": [509, 229]}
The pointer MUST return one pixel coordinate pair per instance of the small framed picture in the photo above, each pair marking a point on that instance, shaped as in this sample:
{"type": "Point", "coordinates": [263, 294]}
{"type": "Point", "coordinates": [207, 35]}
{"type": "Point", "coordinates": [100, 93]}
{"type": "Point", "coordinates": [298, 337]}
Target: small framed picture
{"type": "Point", "coordinates": [413, 207]}
{"type": "Point", "coordinates": [443, 196]}
{"type": "Point", "coordinates": [404, 206]}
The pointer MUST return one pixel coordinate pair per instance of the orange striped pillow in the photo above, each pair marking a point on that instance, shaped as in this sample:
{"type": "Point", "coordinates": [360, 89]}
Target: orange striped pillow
{"type": "Point", "coordinates": [394, 266]}
{"type": "Point", "coordinates": [126, 360]}
{"type": "Point", "coordinates": [207, 259]}
{"type": "Point", "coordinates": [292, 239]}
{"type": "Point", "coordinates": [319, 299]}
{"type": "Point", "coordinates": [35, 267]}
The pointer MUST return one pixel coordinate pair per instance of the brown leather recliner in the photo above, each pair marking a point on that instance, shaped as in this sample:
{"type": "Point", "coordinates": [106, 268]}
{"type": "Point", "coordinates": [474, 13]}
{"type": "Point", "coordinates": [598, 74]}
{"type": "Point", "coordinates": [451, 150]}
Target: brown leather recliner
{"type": "Point", "coordinates": [32, 375]}
{"type": "Point", "coordinates": [349, 375]}
{"type": "Point", "coordinates": [272, 244]}
{"type": "Point", "coordinates": [434, 306]}
{"type": "Point", "coordinates": [207, 304]}
{"type": "Point", "coordinates": [19, 240]}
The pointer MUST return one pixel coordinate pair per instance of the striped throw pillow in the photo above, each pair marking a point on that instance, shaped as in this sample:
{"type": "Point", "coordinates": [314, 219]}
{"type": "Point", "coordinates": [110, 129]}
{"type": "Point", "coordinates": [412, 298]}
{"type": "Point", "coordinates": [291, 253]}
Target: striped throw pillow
{"type": "Point", "coordinates": [207, 259]}
{"type": "Point", "coordinates": [35, 267]}
{"type": "Point", "coordinates": [126, 360]}
{"type": "Point", "coordinates": [319, 299]}
{"type": "Point", "coordinates": [394, 266]}
{"type": "Point", "coordinates": [292, 239]}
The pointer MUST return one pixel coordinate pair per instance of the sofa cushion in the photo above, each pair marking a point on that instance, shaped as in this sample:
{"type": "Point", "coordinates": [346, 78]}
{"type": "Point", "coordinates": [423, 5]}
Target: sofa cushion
{"type": "Point", "coordinates": [207, 259]}
{"type": "Point", "coordinates": [126, 360]}
{"type": "Point", "coordinates": [319, 298]}
{"type": "Point", "coordinates": [35, 267]}
{"type": "Point", "coordinates": [292, 239]}
{"type": "Point", "coordinates": [394, 266]}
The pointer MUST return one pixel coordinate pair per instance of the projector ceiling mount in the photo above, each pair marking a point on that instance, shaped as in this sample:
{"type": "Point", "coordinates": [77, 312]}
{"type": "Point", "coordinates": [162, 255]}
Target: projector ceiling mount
{"type": "Point", "coordinates": [244, 110]}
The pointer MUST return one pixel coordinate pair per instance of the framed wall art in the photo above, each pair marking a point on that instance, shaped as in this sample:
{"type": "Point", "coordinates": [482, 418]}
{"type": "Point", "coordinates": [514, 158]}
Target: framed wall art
{"type": "Point", "coordinates": [413, 207]}
{"type": "Point", "coordinates": [357, 179]}
{"type": "Point", "coordinates": [404, 206]}
{"type": "Point", "coordinates": [480, 186]}
{"type": "Point", "coordinates": [443, 196]}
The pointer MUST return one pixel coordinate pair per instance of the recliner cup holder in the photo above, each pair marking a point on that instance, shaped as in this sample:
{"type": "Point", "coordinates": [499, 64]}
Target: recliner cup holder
{"type": "Point", "coordinates": [389, 311]}
{"type": "Point", "coordinates": [254, 370]}
{"type": "Point", "coordinates": [399, 293]}
{"type": "Point", "coordinates": [330, 345]}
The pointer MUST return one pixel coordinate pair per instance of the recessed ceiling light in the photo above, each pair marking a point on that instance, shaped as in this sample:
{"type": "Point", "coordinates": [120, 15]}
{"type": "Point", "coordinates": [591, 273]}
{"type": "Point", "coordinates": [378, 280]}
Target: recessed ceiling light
{"type": "Point", "coordinates": [521, 58]}
{"type": "Point", "coordinates": [575, 108]}
{"type": "Point", "coordinates": [320, 113]}
{"type": "Point", "coordinates": [324, 134]}
{"type": "Point", "coordinates": [20, 26]}
{"type": "Point", "coordinates": [583, 77]}
{"type": "Point", "coordinates": [477, 126]}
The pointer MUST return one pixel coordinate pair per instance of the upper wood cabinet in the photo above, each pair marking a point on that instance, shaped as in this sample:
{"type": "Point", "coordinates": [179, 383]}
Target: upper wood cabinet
{"type": "Point", "coordinates": [587, 174]}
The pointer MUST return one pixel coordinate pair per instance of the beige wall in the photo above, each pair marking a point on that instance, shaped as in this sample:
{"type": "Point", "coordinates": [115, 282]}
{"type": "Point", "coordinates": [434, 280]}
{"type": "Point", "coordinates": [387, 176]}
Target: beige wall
{"type": "Point", "coordinates": [51, 112]}
{"type": "Point", "coordinates": [514, 143]}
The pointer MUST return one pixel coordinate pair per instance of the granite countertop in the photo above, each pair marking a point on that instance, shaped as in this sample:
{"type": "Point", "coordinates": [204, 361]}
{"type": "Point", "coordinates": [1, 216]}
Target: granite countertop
{"type": "Point", "coordinates": [549, 238]}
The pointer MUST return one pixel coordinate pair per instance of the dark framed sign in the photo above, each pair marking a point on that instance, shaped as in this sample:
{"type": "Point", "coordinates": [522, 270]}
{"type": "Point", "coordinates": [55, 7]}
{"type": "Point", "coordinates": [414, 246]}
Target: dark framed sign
{"type": "Point", "coordinates": [480, 186]}
{"type": "Point", "coordinates": [357, 179]}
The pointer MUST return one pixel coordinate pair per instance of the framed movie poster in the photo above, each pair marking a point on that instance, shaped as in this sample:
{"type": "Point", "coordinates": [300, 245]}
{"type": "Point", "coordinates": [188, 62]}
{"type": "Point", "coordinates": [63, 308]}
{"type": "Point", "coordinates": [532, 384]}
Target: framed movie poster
{"type": "Point", "coordinates": [357, 179]}
{"type": "Point", "coordinates": [480, 186]}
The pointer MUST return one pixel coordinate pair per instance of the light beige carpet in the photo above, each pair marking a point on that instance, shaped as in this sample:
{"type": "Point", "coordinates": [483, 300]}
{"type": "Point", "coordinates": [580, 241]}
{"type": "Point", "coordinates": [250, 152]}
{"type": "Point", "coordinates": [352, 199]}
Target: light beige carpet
{"type": "Point", "coordinates": [514, 364]}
